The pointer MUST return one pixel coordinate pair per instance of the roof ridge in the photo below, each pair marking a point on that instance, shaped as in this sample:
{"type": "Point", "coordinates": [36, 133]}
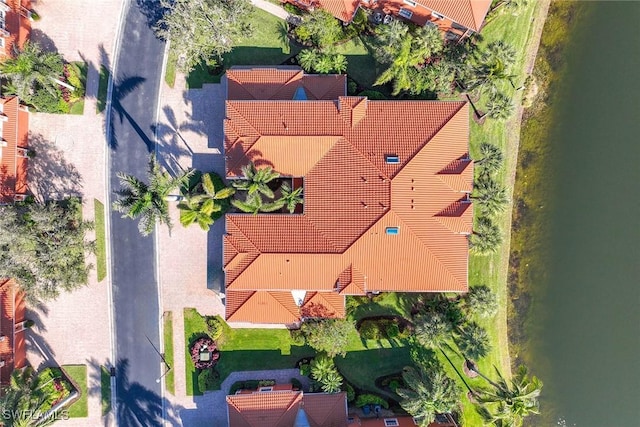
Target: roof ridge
{"type": "Point", "coordinates": [230, 104]}
{"type": "Point", "coordinates": [272, 294]}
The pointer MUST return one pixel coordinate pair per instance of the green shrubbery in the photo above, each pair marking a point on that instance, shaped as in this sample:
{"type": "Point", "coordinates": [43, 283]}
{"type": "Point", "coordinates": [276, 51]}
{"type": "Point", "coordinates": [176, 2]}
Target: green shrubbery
{"type": "Point", "coordinates": [215, 326]}
{"type": "Point", "coordinates": [371, 399]}
{"type": "Point", "coordinates": [382, 328]}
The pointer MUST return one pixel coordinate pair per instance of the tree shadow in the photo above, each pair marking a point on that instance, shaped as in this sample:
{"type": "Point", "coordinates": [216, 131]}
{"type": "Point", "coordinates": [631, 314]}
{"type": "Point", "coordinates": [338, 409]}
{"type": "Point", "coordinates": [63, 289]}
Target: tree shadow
{"type": "Point", "coordinates": [121, 89]}
{"type": "Point", "coordinates": [152, 10]}
{"type": "Point", "coordinates": [43, 40]}
{"type": "Point", "coordinates": [99, 385]}
{"type": "Point", "coordinates": [7, 181]}
{"type": "Point", "coordinates": [139, 406]}
{"type": "Point", "coordinates": [37, 344]}
{"type": "Point", "coordinates": [171, 144]}
{"type": "Point", "coordinates": [52, 177]}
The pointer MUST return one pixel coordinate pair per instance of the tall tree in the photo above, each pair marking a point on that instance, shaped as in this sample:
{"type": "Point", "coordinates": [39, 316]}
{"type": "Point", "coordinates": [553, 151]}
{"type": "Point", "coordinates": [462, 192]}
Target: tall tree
{"type": "Point", "coordinates": [490, 196]}
{"type": "Point", "coordinates": [320, 28]}
{"type": "Point", "coordinates": [256, 180]}
{"type": "Point", "coordinates": [203, 30]}
{"type": "Point", "coordinates": [43, 247]}
{"type": "Point", "coordinates": [486, 237]}
{"type": "Point", "coordinates": [500, 106]}
{"type": "Point", "coordinates": [508, 404]}
{"type": "Point", "coordinates": [32, 70]}
{"type": "Point", "coordinates": [432, 330]}
{"type": "Point", "coordinates": [148, 201]}
{"type": "Point", "coordinates": [472, 340]}
{"type": "Point", "coordinates": [491, 158]}
{"type": "Point", "coordinates": [427, 393]}
{"type": "Point", "coordinates": [492, 67]}
{"type": "Point", "coordinates": [481, 302]}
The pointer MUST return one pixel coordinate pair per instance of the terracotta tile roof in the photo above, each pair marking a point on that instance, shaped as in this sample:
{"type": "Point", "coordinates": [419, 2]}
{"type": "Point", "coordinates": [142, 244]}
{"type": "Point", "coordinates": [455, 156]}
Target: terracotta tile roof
{"type": "Point", "coordinates": [280, 306]}
{"type": "Point", "coordinates": [470, 13]}
{"type": "Point", "coordinates": [12, 344]}
{"type": "Point", "coordinates": [280, 408]}
{"type": "Point", "coordinates": [370, 167]}
{"type": "Point", "coordinates": [13, 167]}
{"type": "Point", "coordinates": [344, 10]}
{"type": "Point", "coordinates": [281, 83]}
{"type": "Point", "coordinates": [403, 421]}
{"type": "Point", "coordinates": [16, 24]}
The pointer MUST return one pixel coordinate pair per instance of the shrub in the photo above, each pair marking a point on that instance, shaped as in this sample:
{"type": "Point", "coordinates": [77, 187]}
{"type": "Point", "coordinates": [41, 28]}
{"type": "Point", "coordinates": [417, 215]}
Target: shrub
{"type": "Point", "coordinates": [29, 323]}
{"type": "Point", "coordinates": [207, 379]}
{"type": "Point", "coordinates": [297, 337]}
{"type": "Point", "coordinates": [238, 385]}
{"type": "Point", "coordinates": [394, 385]}
{"type": "Point", "coordinates": [352, 87]}
{"type": "Point", "coordinates": [392, 330]}
{"type": "Point", "coordinates": [251, 384]}
{"type": "Point", "coordinates": [296, 384]}
{"type": "Point", "coordinates": [266, 383]}
{"type": "Point", "coordinates": [305, 369]}
{"type": "Point", "coordinates": [369, 330]}
{"type": "Point", "coordinates": [214, 326]}
{"type": "Point", "coordinates": [351, 393]}
{"type": "Point", "coordinates": [373, 94]}
{"type": "Point", "coordinates": [371, 399]}
{"type": "Point", "coordinates": [293, 10]}
{"type": "Point", "coordinates": [329, 335]}
{"type": "Point", "coordinates": [47, 102]}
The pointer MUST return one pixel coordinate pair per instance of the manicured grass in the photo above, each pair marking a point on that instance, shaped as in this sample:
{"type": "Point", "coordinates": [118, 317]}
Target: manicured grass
{"type": "Point", "coordinates": [79, 408]}
{"type": "Point", "coordinates": [101, 249]}
{"type": "Point", "coordinates": [268, 45]}
{"type": "Point", "coordinates": [361, 66]}
{"type": "Point", "coordinates": [105, 390]}
{"type": "Point", "coordinates": [241, 350]}
{"type": "Point", "coordinates": [170, 71]}
{"type": "Point", "coordinates": [78, 106]}
{"type": "Point", "coordinates": [103, 87]}
{"type": "Point", "coordinates": [169, 378]}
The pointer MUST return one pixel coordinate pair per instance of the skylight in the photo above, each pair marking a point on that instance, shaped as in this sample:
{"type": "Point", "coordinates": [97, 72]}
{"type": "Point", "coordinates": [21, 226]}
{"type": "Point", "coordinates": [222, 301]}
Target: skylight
{"type": "Point", "coordinates": [392, 231]}
{"type": "Point", "coordinates": [392, 159]}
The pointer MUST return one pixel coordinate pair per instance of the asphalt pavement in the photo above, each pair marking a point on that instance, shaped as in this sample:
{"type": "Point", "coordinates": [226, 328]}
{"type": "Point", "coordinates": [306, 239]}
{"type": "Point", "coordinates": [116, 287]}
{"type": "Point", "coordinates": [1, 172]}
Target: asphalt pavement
{"type": "Point", "coordinates": [134, 281]}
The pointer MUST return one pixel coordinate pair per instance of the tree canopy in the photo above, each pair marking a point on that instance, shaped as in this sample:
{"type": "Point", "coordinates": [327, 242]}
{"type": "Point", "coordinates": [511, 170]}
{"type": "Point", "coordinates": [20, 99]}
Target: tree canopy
{"type": "Point", "coordinates": [43, 247]}
{"type": "Point", "coordinates": [203, 30]}
{"type": "Point", "coordinates": [329, 335]}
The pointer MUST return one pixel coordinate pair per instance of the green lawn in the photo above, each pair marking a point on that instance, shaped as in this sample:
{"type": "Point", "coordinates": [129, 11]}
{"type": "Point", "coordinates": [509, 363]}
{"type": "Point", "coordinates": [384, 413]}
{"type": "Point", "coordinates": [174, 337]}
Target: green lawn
{"type": "Point", "coordinates": [101, 249]}
{"type": "Point", "coordinates": [78, 374]}
{"type": "Point", "coordinates": [105, 390]}
{"type": "Point", "coordinates": [268, 45]}
{"type": "Point", "coordinates": [78, 106]}
{"type": "Point", "coordinates": [103, 87]}
{"type": "Point", "coordinates": [169, 378]}
{"type": "Point", "coordinates": [170, 72]}
{"type": "Point", "coordinates": [361, 67]}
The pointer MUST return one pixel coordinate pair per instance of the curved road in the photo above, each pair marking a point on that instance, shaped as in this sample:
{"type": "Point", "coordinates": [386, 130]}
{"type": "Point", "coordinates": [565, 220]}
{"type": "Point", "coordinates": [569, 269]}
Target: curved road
{"type": "Point", "coordinates": [135, 288]}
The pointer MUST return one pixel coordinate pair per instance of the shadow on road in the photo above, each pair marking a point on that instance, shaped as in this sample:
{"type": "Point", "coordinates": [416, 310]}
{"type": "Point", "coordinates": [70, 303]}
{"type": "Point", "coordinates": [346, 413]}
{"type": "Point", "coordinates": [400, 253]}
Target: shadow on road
{"type": "Point", "coordinates": [51, 176]}
{"type": "Point", "coordinates": [171, 144]}
{"type": "Point", "coordinates": [137, 405]}
{"type": "Point", "coordinates": [152, 10]}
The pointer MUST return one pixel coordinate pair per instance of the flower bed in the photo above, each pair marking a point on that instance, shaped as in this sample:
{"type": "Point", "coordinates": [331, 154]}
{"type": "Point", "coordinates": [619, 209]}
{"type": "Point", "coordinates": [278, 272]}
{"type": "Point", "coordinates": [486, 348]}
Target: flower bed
{"type": "Point", "coordinates": [204, 353]}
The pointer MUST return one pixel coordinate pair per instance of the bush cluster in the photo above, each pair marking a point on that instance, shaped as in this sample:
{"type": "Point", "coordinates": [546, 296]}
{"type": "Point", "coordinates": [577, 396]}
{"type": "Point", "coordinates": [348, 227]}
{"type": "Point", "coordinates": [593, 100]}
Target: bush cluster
{"type": "Point", "coordinates": [371, 399]}
{"type": "Point", "coordinates": [207, 379]}
{"type": "Point", "coordinates": [382, 328]}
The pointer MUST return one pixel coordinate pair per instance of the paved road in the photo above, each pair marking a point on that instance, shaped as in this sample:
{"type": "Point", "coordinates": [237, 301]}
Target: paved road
{"type": "Point", "coordinates": [135, 289]}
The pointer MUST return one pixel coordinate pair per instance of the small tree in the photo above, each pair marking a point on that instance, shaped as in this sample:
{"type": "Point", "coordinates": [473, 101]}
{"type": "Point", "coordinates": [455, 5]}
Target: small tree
{"type": "Point", "coordinates": [427, 393]}
{"type": "Point", "coordinates": [329, 335]}
{"type": "Point", "coordinates": [203, 30]}
{"type": "Point", "coordinates": [491, 158]}
{"type": "Point", "coordinates": [254, 204]}
{"type": "Point", "coordinates": [319, 28]}
{"type": "Point", "coordinates": [481, 302]}
{"type": "Point", "coordinates": [290, 197]}
{"type": "Point", "coordinates": [204, 201]}
{"type": "Point", "coordinates": [490, 196]}
{"type": "Point", "coordinates": [215, 326]}
{"type": "Point", "coordinates": [256, 180]}
{"type": "Point", "coordinates": [43, 247]}
{"type": "Point", "coordinates": [325, 372]}
{"type": "Point", "coordinates": [500, 106]}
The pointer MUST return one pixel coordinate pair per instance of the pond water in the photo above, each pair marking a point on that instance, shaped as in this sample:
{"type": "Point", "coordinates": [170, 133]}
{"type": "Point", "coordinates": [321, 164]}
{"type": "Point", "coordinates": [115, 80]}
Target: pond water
{"type": "Point", "coordinates": [586, 341]}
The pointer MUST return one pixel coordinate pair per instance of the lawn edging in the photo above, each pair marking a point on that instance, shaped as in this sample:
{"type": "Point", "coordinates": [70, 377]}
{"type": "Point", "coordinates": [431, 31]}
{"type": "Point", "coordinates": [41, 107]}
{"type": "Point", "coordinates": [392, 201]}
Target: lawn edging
{"type": "Point", "coordinates": [101, 248]}
{"type": "Point", "coordinates": [77, 375]}
{"type": "Point", "coordinates": [169, 378]}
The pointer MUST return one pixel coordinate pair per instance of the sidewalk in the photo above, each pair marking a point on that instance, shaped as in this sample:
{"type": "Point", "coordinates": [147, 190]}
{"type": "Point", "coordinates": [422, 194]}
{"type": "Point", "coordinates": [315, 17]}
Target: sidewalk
{"type": "Point", "coordinates": [273, 9]}
{"type": "Point", "coordinates": [70, 160]}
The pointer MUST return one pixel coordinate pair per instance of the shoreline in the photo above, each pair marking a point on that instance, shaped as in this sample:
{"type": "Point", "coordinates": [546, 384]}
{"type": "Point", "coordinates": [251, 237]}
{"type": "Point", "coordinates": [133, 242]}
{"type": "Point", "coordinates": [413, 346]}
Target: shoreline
{"type": "Point", "coordinates": [511, 156]}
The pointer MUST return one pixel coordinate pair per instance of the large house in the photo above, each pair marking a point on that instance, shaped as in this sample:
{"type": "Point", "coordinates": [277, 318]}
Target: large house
{"type": "Point", "coordinates": [15, 25]}
{"type": "Point", "coordinates": [455, 18]}
{"type": "Point", "coordinates": [14, 127]}
{"type": "Point", "coordinates": [386, 186]}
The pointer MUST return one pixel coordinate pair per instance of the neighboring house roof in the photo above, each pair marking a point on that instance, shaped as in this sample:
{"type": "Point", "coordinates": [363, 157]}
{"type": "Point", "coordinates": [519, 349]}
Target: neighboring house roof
{"type": "Point", "coordinates": [354, 198]}
{"type": "Point", "coordinates": [14, 123]}
{"type": "Point", "coordinates": [12, 344]}
{"type": "Point", "coordinates": [16, 24]}
{"type": "Point", "coordinates": [403, 421]}
{"type": "Point", "coordinates": [250, 83]}
{"type": "Point", "coordinates": [283, 408]}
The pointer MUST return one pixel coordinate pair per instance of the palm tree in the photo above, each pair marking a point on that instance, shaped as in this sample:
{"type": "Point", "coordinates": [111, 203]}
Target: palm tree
{"type": "Point", "coordinates": [431, 330]}
{"type": "Point", "coordinates": [254, 204]}
{"type": "Point", "coordinates": [489, 195]}
{"type": "Point", "coordinates": [513, 401]}
{"type": "Point", "coordinates": [500, 106]}
{"type": "Point", "coordinates": [332, 382]}
{"type": "Point", "coordinates": [473, 341]}
{"type": "Point", "coordinates": [291, 198]}
{"type": "Point", "coordinates": [256, 180]}
{"type": "Point", "coordinates": [321, 366]}
{"type": "Point", "coordinates": [481, 302]}
{"type": "Point", "coordinates": [486, 237]}
{"type": "Point", "coordinates": [427, 393]}
{"type": "Point", "coordinates": [33, 71]}
{"type": "Point", "coordinates": [339, 63]}
{"type": "Point", "coordinates": [307, 58]}
{"type": "Point", "coordinates": [388, 37]}
{"type": "Point", "coordinates": [491, 158]}
{"type": "Point", "coordinates": [324, 64]}
{"type": "Point", "coordinates": [199, 208]}
{"type": "Point", "coordinates": [492, 67]}
{"type": "Point", "coordinates": [149, 202]}
{"type": "Point", "coordinates": [23, 399]}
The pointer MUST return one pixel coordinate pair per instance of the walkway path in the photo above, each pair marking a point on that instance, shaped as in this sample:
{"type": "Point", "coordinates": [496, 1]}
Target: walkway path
{"type": "Point", "coordinates": [273, 9]}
